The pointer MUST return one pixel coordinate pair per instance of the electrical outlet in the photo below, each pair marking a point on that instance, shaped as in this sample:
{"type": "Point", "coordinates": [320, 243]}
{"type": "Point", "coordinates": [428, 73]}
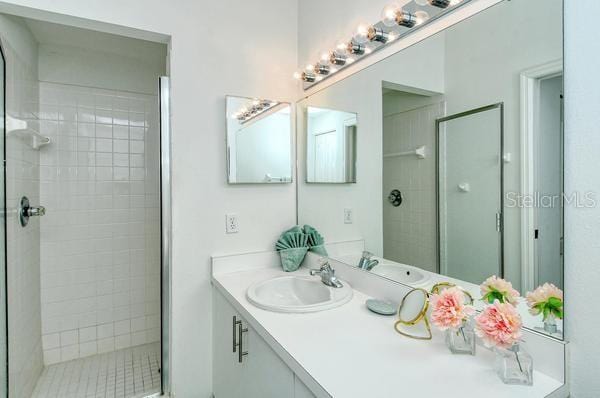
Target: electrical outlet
{"type": "Point", "coordinates": [231, 224]}
{"type": "Point", "coordinates": [348, 216]}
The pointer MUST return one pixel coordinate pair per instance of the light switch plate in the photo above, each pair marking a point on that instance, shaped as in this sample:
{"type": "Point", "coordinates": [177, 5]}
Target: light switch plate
{"type": "Point", "coordinates": [231, 224]}
{"type": "Point", "coordinates": [348, 216]}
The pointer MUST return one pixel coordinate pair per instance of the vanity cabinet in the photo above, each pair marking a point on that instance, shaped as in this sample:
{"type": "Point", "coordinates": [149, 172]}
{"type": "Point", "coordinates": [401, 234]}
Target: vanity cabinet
{"type": "Point", "coordinates": [261, 373]}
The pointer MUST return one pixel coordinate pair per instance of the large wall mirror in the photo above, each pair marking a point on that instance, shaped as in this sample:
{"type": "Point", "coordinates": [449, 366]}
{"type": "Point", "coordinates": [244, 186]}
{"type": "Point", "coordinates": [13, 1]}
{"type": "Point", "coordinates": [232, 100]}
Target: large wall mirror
{"type": "Point", "coordinates": [456, 157]}
{"type": "Point", "coordinates": [259, 141]}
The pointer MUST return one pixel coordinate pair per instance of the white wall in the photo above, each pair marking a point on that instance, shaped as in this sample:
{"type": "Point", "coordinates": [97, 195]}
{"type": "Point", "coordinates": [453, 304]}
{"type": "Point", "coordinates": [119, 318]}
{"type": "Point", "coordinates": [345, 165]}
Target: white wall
{"type": "Point", "coordinates": [22, 178]}
{"type": "Point", "coordinates": [208, 40]}
{"type": "Point", "coordinates": [582, 226]}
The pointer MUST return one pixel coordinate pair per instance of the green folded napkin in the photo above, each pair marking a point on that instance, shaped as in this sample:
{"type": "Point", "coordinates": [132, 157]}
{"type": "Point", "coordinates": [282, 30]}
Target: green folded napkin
{"type": "Point", "coordinates": [316, 242]}
{"type": "Point", "coordinates": [292, 246]}
{"type": "Point", "coordinates": [292, 258]}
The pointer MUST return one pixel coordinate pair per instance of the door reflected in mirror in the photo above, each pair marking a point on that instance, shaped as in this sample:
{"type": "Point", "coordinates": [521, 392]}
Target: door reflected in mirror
{"type": "Point", "coordinates": [330, 146]}
{"type": "Point", "coordinates": [259, 141]}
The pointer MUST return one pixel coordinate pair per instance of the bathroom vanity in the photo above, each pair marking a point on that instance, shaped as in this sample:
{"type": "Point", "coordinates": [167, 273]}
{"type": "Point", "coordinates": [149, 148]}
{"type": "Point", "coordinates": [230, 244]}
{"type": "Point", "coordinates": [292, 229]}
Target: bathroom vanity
{"type": "Point", "coordinates": [345, 351]}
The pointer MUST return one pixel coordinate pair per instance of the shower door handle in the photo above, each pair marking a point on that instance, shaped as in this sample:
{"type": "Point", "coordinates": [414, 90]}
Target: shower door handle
{"type": "Point", "coordinates": [26, 211]}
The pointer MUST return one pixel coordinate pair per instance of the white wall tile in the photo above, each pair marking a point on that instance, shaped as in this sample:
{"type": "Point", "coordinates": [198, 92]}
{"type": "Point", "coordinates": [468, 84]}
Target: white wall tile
{"type": "Point", "coordinates": [101, 225]}
{"type": "Point", "coordinates": [69, 337]}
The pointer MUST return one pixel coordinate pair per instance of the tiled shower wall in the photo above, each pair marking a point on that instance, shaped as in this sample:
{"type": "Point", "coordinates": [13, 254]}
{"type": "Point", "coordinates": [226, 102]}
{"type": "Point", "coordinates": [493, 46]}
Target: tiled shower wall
{"type": "Point", "coordinates": [22, 178]}
{"type": "Point", "coordinates": [409, 230]}
{"type": "Point", "coordinates": [100, 239]}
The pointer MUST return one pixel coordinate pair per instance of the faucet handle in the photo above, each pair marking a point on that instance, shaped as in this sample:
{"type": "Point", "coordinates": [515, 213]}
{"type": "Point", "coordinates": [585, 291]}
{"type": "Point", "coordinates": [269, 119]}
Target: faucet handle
{"type": "Point", "coordinates": [324, 263]}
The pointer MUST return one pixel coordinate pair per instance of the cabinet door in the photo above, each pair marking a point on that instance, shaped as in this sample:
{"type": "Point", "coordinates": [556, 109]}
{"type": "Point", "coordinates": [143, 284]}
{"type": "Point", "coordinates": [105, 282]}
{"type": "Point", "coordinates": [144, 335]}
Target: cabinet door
{"type": "Point", "coordinates": [227, 371]}
{"type": "Point", "coordinates": [265, 374]}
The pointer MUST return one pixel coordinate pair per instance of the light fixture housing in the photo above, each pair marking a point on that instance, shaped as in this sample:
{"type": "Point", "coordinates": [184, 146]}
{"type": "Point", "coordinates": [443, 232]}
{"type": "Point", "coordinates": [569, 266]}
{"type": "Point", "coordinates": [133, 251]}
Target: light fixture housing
{"type": "Point", "coordinates": [322, 69]}
{"type": "Point", "coordinates": [257, 107]}
{"type": "Point", "coordinates": [377, 34]}
{"type": "Point", "coordinates": [355, 48]}
{"type": "Point", "coordinates": [308, 77]}
{"type": "Point", "coordinates": [439, 3]}
{"type": "Point", "coordinates": [336, 58]}
{"type": "Point", "coordinates": [406, 19]}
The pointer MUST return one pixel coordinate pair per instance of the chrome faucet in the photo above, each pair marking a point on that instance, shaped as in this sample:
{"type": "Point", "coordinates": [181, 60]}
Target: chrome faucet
{"type": "Point", "coordinates": [327, 274]}
{"type": "Point", "coordinates": [365, 261]}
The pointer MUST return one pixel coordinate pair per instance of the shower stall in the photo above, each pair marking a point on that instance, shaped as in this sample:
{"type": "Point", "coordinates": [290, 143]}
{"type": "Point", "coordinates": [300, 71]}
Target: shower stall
{"type": "Point", "coordinates": [81, 228]}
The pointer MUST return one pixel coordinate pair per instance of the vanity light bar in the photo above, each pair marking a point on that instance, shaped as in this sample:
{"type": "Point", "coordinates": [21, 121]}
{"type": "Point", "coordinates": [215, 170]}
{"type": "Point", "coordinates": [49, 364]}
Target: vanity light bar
{"type": "Point", "coordinates": [369, 38]}
{"type": "Point", "coordinates": [257, 107]}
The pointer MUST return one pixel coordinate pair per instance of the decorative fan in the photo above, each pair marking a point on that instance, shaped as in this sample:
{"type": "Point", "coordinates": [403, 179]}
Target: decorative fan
{"type": "Point", "coordinates": [292, 246]}
{"type": "Point", "coordinates": [316, 242]}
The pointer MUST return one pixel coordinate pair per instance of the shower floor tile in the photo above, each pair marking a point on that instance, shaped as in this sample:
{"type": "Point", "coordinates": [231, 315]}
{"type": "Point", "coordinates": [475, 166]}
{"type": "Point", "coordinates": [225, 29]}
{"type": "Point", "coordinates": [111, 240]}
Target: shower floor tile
{"type": "Point", "coordinates": [132, 372]}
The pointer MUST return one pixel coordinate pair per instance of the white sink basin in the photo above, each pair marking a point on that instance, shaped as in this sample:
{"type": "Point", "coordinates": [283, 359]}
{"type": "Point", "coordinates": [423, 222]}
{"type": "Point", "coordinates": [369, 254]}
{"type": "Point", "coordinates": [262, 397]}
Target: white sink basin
{"type": "Point", "coordinates": [297, 294]}
{"type": "Point", "coordinates": [402, 273]}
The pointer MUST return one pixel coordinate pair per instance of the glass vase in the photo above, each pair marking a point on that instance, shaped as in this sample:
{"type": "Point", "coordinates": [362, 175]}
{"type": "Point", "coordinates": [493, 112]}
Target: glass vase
{"type": "Point", "coordinates": [550, 324]}
{"type": "Point", "coordinates": [462, 339]}
{"type": "Point", "coordinates": [514, 365]}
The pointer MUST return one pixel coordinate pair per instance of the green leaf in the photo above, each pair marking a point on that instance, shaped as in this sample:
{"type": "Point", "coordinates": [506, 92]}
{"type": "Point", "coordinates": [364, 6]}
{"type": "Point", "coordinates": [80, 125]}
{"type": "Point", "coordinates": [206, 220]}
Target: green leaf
{"type": "Point", "coordinates": [555, 302]}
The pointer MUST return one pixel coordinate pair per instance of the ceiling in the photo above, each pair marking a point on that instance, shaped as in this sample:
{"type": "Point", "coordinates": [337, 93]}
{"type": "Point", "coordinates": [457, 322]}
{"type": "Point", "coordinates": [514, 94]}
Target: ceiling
{"type": "Point", "coordinates": [51, 34]}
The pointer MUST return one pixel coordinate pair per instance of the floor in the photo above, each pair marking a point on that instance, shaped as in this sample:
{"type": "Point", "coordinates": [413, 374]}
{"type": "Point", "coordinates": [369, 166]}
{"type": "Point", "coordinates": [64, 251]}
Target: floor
{"type": "Point", "coordinates": [132, 372]}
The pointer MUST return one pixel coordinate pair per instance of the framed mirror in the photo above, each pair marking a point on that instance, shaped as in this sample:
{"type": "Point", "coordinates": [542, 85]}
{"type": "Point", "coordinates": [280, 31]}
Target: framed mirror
{"type": "Point", "coordinates": [259, 141]}
{"type": "Point", "coordinates": [459, 173]}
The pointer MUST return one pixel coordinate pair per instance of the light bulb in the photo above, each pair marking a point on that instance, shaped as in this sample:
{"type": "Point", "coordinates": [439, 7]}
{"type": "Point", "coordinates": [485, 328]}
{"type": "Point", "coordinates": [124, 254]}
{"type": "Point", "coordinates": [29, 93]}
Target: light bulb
{"type": "Point", "coordinates": [325, 56]}
{"type": "Point", "coordinates": [297, 75]}
{"type": "Point", "coordinates": [342, 45]}
{"type": "Point", "coordinates": [421, 16]}
{"type": "Point", "coordinates": [310, 67]}
{"type": "Point", "coordinates": [362, 32]}
{"type": "Point", "coordinates": [388, 14]}
{"type": "Point", "coordinates": [255, 102]}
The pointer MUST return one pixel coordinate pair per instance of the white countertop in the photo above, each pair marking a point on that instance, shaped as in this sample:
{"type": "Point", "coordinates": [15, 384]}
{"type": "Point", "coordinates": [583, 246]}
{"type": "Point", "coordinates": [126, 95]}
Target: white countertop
{"type": "Point", "coordinates": [351, 352]}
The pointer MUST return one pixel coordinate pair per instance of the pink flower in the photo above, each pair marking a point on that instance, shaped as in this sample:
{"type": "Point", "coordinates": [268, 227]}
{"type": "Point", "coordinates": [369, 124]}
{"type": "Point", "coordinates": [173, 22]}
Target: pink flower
{"type": "Point", "coordinates": [449, 308]}
{"type": "Point", "coordinates": [547, 300]}
{"type": "Point", "coordinates": [499, 325]}
{"type": "Point", "coordinates": [495, 288]}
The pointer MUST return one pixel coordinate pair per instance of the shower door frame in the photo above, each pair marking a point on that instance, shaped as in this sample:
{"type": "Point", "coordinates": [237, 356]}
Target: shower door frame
{"type": "Point", "coordinates": [500, 219]}
{"type": "Point", "coordinates": [164, 93]}
{"type": "Point", "coordinates": [4, 227]}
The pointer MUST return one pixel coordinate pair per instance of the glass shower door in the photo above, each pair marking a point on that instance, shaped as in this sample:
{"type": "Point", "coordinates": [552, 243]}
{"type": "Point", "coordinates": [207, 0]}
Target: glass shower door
{"type": "Point", "coordinates": [3, 320]}
{"type": "Point", "coordinates": [470, 194]}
